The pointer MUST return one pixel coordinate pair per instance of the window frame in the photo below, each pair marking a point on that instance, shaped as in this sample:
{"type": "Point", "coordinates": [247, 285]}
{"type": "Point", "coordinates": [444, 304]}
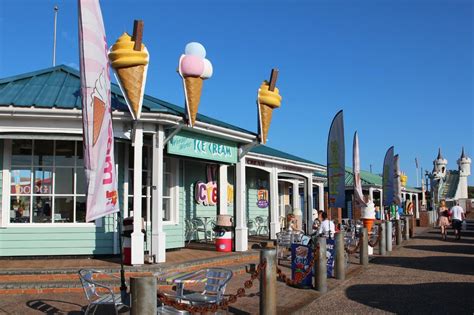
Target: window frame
{"type": "Point", "coordinates": [32, 167]}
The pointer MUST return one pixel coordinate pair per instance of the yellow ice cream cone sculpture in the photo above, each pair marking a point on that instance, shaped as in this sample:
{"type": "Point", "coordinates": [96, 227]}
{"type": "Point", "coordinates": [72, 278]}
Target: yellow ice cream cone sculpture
{"type": "Point", "coordinates": [268, 99]}
{"type": "Point", "coordinates": [129, 58]}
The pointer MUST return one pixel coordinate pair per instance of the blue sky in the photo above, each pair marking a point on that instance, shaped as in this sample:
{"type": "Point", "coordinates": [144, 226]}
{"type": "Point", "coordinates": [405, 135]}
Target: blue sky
{"type": "Point", "coordinates": [402, 71]}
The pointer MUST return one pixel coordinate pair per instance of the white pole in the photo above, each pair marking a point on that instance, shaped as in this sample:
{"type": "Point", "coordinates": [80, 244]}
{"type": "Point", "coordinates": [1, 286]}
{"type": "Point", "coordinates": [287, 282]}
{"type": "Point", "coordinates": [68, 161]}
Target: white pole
{"type": "Point", "coordinates": [56, 9]}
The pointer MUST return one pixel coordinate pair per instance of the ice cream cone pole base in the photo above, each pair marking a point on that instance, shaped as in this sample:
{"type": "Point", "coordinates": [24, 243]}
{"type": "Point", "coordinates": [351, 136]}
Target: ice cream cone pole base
{"type": "Point", "coordinates": [368, 223]}
{"type": "Point", "coordinates": [131, 80]}
{"type": "Point", "coordinates": [265, 120]}
{"type": "Point", "coordinates": [193, 90]}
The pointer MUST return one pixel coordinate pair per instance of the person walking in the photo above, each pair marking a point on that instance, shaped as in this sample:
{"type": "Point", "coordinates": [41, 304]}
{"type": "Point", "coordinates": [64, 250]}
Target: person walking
{"type": "Point", "coordinates": [327, 227]}
{"type": "Point", "coordinates": [443, 221]}
{"type": "Point", "coordinates": [457, 216]}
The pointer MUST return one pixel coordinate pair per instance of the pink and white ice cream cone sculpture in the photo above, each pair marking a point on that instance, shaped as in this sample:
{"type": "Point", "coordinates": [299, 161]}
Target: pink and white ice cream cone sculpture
{"type": "Point", "coordinates": [368, 215]}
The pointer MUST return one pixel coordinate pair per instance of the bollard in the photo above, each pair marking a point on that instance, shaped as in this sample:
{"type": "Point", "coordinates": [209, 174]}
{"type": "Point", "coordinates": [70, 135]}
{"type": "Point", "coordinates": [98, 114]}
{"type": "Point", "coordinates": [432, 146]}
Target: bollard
{"type": "Point", "coordinates": [364, 247]}
{"type": "Point", "coordinates": [399, 238]}
{"type": "Point", "coordinates": [407, 229]}
{"type": "Point", "coordinates": [143, 291]}
{"type": "Point", "coordinates": [388, 238]}
{"type": "Point", "coordinates": [382, 243]}
{"type": "Point", "coordinates": [340, 264]}
{"type": "Point", "coordinates": [322, 268]}
{"type": "Point", "coordinates": [268, 282]}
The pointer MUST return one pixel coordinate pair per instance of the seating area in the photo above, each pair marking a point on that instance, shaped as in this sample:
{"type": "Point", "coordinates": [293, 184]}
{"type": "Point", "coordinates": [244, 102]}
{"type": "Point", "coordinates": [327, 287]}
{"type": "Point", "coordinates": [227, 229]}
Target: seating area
{"type": "Point", "coordinates": [199, 229]}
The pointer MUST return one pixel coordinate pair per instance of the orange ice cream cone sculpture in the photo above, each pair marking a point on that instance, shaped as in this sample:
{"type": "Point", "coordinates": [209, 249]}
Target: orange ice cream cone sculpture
{"type": "Point", "coordinates": [368, 223]}
{"type": "Point", "coordinates": [268, 99]}
{"type": "Point", "coordinates": [368, 215]}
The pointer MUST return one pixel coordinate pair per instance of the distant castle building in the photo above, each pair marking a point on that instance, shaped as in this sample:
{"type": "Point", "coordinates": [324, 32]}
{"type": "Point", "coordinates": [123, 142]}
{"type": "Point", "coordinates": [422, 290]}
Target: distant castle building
{"type": "Point", "coordinates": [450, 184]}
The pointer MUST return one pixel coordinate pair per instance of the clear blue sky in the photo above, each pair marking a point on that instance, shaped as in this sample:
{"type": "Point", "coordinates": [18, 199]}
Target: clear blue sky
{"type": "Point", "coordinates": [402, 71]}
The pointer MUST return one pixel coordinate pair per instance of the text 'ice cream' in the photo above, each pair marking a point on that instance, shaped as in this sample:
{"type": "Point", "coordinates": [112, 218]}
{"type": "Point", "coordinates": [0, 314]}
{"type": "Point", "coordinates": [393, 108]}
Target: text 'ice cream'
{"type": "Point", "coordinates": [194, 68]}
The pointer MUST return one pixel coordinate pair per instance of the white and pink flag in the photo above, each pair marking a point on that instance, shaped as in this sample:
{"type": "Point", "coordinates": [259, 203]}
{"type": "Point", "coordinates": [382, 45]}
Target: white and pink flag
{"type": "Point", "coordinates": [358, 194]}
{"type": "Point", "coordinates": [102, 196]}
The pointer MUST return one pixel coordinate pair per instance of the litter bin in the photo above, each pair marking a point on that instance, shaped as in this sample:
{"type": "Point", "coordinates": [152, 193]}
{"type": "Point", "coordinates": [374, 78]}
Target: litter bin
{"type": "Point", "coordinates": [223, 229]}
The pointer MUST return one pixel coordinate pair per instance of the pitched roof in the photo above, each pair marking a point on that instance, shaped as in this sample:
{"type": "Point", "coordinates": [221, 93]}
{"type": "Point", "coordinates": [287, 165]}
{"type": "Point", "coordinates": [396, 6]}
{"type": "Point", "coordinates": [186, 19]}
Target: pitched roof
{"type": "Point", "coordinates": [262, 149]}
{"type": "Point", "coordinates": [59, 87]}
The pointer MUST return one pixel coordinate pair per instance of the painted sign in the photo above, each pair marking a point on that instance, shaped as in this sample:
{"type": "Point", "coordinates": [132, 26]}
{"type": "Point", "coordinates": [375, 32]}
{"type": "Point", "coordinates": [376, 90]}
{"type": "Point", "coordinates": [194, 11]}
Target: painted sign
{"type": "Point", "coordinates": [336, 163]}
{"type": "Point", "coordinates": [205, 193]}
{"type": "Point", "coordinates": [331, 255]}
{"type": "Point", "coordinates": [301, 257]}
{"type": "Point", "coordinates": [262, 198]}
{"type": "Point", "coordinates": [203, 147]}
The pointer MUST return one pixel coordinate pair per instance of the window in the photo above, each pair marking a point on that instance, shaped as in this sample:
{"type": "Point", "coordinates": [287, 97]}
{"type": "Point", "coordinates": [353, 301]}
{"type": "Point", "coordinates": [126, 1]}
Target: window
{"type": "Point", "coordinates": [47, 182]}
{"type": "Point", "coordinates": [170, 189]}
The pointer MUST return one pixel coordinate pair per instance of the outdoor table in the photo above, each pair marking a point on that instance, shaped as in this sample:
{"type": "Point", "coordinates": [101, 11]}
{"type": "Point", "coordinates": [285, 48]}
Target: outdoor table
{"type": "Point", "coordinates": [205, 222]}
{"type": "Point", "coordinates": [182, 278]}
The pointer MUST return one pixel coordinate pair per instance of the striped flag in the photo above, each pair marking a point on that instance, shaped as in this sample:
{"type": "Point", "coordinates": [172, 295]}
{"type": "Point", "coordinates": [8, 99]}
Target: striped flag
{"type": "Point", "coordinates": [102, 197]}
{"type": "Point", "coordinates": [358, 194]}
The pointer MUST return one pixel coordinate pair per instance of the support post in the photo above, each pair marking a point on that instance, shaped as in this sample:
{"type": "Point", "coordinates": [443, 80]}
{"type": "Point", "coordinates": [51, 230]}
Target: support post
{"type": "Point", "coordinates": [407, 228]}
{"type": "Point", "coordinates": [241, 231]}
{"type": "Point", "coordinates": [340, 267]}
{"type": "Point", "coordinates": [268, 282]}
{"type": "Point", "coordinates": [321, 196]}
{"type": "Point", "coordinates": [309, 203]}
{"type": "Point", "coordinates": [223, 182]}
{"type": "Point", "coordinates": [321, 272]}
{"type": "Point", "coordinates": [137, 235]}
{"type": "Point", "coordinates": [382, 242]}
{"type": "Point", "coordinates": [389, 240]}
{"type": "Point", "coordinates": [364, 247]}
{"type": "Point", "coordinates": [274, 211]}
{"type": "Point", "coordinates": [399, 238]}
{"type": "Point", "coordinates": [143, 291]}
{"type": "Point", "coordinates": [158, 236]}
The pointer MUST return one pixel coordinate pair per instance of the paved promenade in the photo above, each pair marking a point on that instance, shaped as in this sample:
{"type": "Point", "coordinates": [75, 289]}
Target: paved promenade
{"type": "Point", "coordinates": [425, 275]}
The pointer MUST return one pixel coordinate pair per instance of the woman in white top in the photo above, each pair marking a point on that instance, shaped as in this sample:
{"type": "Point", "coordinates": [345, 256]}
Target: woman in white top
{"type": "Point", "coordinates": [327, 227]}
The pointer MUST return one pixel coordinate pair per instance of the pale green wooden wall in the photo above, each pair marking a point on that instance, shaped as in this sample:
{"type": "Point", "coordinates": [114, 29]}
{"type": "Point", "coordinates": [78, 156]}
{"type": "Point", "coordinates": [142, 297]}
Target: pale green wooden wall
{"type": "Point", "coordinates": [1, 177]}
{"type": "Point", "coordinates": [253, 175]}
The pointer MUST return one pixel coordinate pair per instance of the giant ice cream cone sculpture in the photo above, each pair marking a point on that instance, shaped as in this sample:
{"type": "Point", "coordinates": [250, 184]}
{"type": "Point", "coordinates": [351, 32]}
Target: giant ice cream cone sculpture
{"type": "Point", "coordinates": [368, 215]}
{"type": "Point", "coordinates": [267, 100]}
{"type": "Point", "coordinates": [194, 68]}
{"type": "Point", "coordinates": [129, 58]}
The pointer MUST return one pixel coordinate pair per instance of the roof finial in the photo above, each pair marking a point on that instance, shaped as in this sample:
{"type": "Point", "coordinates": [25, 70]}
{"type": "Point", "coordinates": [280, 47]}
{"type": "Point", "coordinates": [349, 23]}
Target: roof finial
{"type": "Point", "coordinates": [463, 156]}
{"type": "Point", "coordinates": [440, 157]}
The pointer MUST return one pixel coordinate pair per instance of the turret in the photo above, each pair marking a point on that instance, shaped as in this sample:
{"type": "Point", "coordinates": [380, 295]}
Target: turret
{"type": "Point", "coordinates": [464, 164]}
{"type": "Point", "coordinates": [439, 170]}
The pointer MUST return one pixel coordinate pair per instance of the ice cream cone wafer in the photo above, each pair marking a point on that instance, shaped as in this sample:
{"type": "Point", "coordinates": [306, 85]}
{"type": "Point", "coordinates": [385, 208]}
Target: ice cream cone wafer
{"type": "Point", "coordinates": [265, 120]}
{"type": "Point", "coordinates": [98, 118]}
{"type": "Point", "coordinates": [193, 89]}
{"type": "Point", "coordinates": [131, 80]}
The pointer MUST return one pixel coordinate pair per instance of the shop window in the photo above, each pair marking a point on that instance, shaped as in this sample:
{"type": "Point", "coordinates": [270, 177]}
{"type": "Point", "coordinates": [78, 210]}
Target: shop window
{"type": "Point", "coordinates": [47, 182]}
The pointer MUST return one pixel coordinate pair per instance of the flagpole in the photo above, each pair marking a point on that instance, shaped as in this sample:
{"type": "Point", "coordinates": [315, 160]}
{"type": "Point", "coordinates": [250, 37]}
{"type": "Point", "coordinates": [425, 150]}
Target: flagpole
{"type": "Point", "coordinates": [123, 284]}
{"type": "Point", "coordinates": [56, 9]}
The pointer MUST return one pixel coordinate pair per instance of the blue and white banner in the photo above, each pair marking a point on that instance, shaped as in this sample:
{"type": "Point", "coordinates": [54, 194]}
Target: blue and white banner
{"type": "Point", "coordinates": [336, 163]}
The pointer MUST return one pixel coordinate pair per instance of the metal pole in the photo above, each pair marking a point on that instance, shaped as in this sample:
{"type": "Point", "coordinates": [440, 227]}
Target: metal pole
{"type": "Point", "coordinates": [407, 228]}
{"type": "Point", "coordinates": [322, 272]}
{"type": "Point", "coordinates": [364, 247]}
{"type": "Point", "coordinates": [56, 9]}
{"type": "Point", "coordinates": [143, 290]}
{"type": "Point", "coordinates": [388, 239]}
{"type": "Point", "coordinates": [340, 267]}
{"type": "Point", "coordinates": [382, 243]}
{"type": "Point", "coordinates": [123, 284]}
{"type": "Point", "coordinates": [399, 232]}
{"type": "Point", "coordinates": [268, 282]}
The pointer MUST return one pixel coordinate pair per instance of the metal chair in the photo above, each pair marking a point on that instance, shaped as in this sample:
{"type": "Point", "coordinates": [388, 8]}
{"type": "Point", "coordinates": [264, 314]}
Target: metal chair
{"type": "Point", "coordinates": [217, 279]}
{"type": "Point", "coordinates": [190, 230]}
{"type": "Point", "coordinates": [261, 223]}
{"type": "Point", "coordinates": [90, 286]}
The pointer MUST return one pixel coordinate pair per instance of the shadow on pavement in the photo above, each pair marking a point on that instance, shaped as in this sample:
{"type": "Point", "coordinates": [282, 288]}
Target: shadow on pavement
{"type": "Point", "coordinates": [463, 240]}
{"type": "Point", "coordinates": [45, 307]}
{"type": "Point", "coordinates": [424, 298]}
{"type": "Point", "coordinates": [455, 249]}
{"type": "Point", "coordinates": [450, 264]}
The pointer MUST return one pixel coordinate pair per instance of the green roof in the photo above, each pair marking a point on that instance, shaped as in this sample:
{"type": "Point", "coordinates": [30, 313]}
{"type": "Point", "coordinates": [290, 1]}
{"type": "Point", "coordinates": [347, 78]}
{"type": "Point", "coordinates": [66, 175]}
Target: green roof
{"type": "Point", "coordinates": [59, 87]}
{"type": "Point", "coordinates": [262, 149]}
{"type": "Point", "coordinates": [367, 178]}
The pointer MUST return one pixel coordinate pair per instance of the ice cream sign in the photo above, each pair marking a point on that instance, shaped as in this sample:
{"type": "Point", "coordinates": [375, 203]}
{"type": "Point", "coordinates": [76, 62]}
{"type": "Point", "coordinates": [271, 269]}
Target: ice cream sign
{"type": "Point", "coordinates": [205, 193]}
{"type": "Point", "coordinates": [203, 147]}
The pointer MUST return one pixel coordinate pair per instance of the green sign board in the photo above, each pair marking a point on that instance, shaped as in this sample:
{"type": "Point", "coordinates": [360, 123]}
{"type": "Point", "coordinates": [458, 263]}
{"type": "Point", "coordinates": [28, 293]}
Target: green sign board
{"type": "Point", "coordinates": [203, 147]}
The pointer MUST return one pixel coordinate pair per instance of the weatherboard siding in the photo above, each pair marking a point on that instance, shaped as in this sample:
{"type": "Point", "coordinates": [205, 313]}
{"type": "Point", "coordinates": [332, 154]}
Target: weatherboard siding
{"type": "Point", "coordinates": [1, 182]}
{"type": "Point", "coordinates": [253, 175]}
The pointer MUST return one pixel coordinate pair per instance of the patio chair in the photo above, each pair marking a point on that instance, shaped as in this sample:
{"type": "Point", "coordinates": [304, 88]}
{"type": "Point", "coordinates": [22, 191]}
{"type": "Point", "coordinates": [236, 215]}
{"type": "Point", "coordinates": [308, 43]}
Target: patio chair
{"type": "Point", "coordinates": [261, 223]}
{"type": "Point", "coordinates": [190, 230]}
{"type": "Point", "coordinates": [91, 288]}
{"type": "Point", "coordinates": [251, 227]}
{"type": "Point", "coordinates": [217, 279]}
{"type": "Point", "coordinates": [199, 227]}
